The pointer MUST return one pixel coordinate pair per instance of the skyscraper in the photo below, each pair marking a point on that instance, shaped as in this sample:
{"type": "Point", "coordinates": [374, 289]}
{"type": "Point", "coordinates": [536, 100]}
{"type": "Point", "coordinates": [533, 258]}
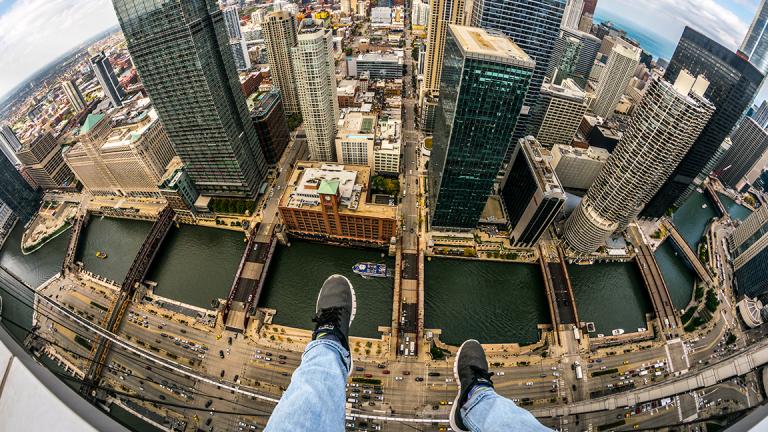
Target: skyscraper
{"type": "Point", "coordinates": [280, 37]}
{"type": "Point", "coordinates": [532, 194]}
{"type": "Point", "coordinates": [761, 115]}
{"type": "Point", "coordinates": [663, 126]}
{"type": "Point", "coordinates": [44, 163]}
{"type": "Point", "coordinates": [73, 95]}
{"type": "Point", "coordinates": [749, 142]}
{"type": "Point", "coordinates": [232, 22]}
{"type": "Point", "coordinates": [533, 25]}
{"type": "Point", "coordinates": [589, 7]}
{"type": "Point", "coordinates": [9, 144]}
{"type": "Point", "coordinates": [236, 40]}
{"type": "Point", "coordinates": [181, 51]}
{"type": "Point", "coordinates": [621, 66]}
{"type": "Point", "coordinates": [749, 248]}
{"type": "Point", "coordinates": [441, 14]}
{"type": "Point", "coordinates": [572, 14]}
{"type": "Point", "coordinates": [16, 192]}
{"type": "Point", "coordinates": [484, 81]}
{"type": "Point", "coordinates": [733, 85]}
{"type": "Point", "coordinates": [107, 79]}
{"type": "Point", "coordinates": [559, 113]}
{"type": "Point", "coordinates": [315, 70]}
{"type": "Point", "coordinates": [755, 43]}
{"type": "Point", "coordinates": [573, 56]}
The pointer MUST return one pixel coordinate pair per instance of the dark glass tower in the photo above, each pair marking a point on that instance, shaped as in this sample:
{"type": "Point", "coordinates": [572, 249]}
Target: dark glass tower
{"type": "Point", "coordinates": [181, 51]}
{"type": "Point", "coordinates": [483, 84]}
{"type": "Point", "coordinates": [107, 79]}
{"type": "Point", "coordinates": [16, 192]}
{"type": "Point", "coordinates": [534, 25]}
{"type": "Point", "coordinates": [733, 83]}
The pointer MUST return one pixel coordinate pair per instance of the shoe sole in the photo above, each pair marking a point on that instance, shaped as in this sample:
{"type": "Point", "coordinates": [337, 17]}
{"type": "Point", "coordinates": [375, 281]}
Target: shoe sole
{"type": "Point", "coordinates": [458, 393]}
{"type": "Point", "coordinates": [351, 315]}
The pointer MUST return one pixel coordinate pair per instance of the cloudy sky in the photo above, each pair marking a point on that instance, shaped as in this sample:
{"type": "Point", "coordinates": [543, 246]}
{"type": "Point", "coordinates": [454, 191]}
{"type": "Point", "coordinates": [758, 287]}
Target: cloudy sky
{"type": "Point", "coordinates": [33, 32]}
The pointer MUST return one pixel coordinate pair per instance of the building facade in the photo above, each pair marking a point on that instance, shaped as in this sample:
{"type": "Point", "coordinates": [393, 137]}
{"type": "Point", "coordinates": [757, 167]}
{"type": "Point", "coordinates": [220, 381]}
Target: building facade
{"type": "Point", "coordinates": [315, 70]}
{"type": "Point", "coordinates": [329, 202]}
{"type": "Point", "coordinates": [485, 79]}
{"type": "Point", "coordinates": [573, 56]}
{"type": "Point", "coordinates": [748, 143]}
{"type": "Point", "coordinates": [355, 138]}
{"type": "Point", "coordinates": [387, 145]}
{"type": "Point", "coordinates": [73, 94]}
{"type": "Point", "coordinates": [578, 168]}
{"type": "Point", "coordinates": [662, 129]}
{"type": "Point", "coordinates": [179, 191]}
{"type": "Point", "coordinates": [379, 66]}
{"type": "Point", "coordinates": [280, 37]}
{"type": "Point", "coordinates": [16, 192]}
{"type": "Point", "coordinates": [181, 51]}
{"type": "Point", "coordinates": [733, 85]}
{"type": "Point", "coordinates": [122, 153]}
{"type": "Point", "coordinates": [271, 124]}
{"type": "Point", "coordinates": [755, 43]}
{"type": "Point", "coordinates": [749, 248]}
{"type": "Point", "coordinates": [620, 67]}
{"type": "Point", "coordinates": [534, 25]}
{"type": "Point", "coordinates": [559, 113]}
{"type": "Point", "coordinates": [572, 14]}
{"type": "Point", "coordinates": [102, 68]}
{"type": "Point", "coordinates": [532, 195]}
{"type": "Point", "coordinates": [441, 14]}
{"type": "Point", "coordinates": [9, 144]}
{"type": "Point", "coordinates": [44, 163]}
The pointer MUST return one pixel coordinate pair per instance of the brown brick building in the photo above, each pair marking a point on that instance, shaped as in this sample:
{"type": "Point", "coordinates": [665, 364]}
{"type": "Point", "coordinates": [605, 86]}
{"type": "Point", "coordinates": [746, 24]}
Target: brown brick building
{"type": "Point", "coordinates": [328, 202]}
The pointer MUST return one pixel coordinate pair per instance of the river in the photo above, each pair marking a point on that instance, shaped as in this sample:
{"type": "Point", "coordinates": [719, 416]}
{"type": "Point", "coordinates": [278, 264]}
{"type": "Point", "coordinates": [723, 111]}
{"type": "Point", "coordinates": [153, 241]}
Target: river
{"type": "Point", "coordinates": [611, 295]}
{"type": "Point", "coordinates": [197, 264]}
{"type": "Point", "coordinates": [492, 302]}
{"type": "Point", "coordinates": [120, 239]}
{"type": "Point", "coordinates": [297, 272]}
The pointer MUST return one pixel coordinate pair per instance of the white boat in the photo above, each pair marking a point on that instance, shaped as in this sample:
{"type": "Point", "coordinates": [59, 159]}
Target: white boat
{"type": "Point", "coordinates": [703, 206]}
{"type": "Point", "coordinates": [590, 327]}
{"type": "Point", "coordinates": [642, 329]}
{"type": "Point", "coordinates": [617, 332]}
{"type": "Point", "coordinates": [600, 335]}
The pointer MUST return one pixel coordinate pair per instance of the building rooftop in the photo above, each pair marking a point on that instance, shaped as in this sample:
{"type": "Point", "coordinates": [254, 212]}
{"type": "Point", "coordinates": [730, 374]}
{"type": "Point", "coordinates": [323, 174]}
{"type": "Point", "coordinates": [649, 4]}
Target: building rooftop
{"type": "Point", "coordinates": [356, 124]}
{"type": "Point", "coordinates": [91, 122]}
{"type": "Point", "coordinates": [480, 43]}
{"type": "Point", "coordinates": [348, 182]}
{"type": "Point", "coordinates": [594, 153]}
{"type": "Point", "coordinates": [541, 164]}
{"type": "Point", "coordinates": [568, 89]}
{"type": "Point", "coordinates": [261, 103]}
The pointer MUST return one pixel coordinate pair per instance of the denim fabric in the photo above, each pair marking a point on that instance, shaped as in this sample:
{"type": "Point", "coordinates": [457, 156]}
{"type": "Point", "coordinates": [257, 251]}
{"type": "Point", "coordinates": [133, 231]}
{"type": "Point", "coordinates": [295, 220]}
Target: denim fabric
{"type": "Point", "coordinates": [314, 401]}
{"type": "Point", "coordinates": [486, 411]}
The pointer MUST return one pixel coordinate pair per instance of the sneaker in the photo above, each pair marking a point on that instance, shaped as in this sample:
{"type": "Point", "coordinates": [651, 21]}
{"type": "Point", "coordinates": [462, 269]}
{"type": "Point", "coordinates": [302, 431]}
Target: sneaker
{"type": "Point", "coordinates": [469, 369]}
{"type": "Point", "coordinates": [335, 309]}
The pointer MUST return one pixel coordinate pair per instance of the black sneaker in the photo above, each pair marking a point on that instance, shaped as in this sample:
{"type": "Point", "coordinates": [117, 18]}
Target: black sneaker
{"type": "Point", "coordinates": [469, 369]}
{"type": "Point", "coordinates": [335, 309]}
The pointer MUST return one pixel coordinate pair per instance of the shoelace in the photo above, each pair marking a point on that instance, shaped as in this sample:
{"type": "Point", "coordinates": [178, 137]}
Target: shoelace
{"type": "Point", "coordinates": [481, 373]}
{"type": "Point", "coordinates": [330, 315]}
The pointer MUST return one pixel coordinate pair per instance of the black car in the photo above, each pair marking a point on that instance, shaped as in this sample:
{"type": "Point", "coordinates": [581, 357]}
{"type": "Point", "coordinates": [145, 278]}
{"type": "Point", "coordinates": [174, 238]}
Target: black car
{"type": "Point", "coordinates": [222, 373]}
{"type": "Point", "coordinates": [230, 340]}
{"type": "Point", "coordinates": [221, 353]}
{"type": "Point", "coordinates": [434, 374]}
{"type": "Point", "coordinates": [209, 403]}
{"type": "Point", "coordinates": [419, 379]}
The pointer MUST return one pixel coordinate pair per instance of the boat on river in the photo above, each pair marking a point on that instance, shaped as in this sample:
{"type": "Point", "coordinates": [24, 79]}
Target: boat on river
{"type": "Point", "coordinates": [617, 332]}
{"type": "Point", "coordinates": [101, 255]}
{"type": "Point", "coordinates": [369, 270]}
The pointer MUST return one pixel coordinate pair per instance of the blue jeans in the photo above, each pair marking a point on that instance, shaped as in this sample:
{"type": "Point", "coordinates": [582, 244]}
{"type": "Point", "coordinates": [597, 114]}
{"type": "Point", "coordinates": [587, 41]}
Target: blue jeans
{"type": "Point", "coordinates": [487, 411]}
{"type": "Point", "coordinates": [315, 399]}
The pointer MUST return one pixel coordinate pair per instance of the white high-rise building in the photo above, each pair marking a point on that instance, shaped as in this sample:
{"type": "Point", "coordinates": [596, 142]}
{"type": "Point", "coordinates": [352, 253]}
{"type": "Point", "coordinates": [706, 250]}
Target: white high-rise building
{"type": "Point", "coordinates": [559, 113]}
{"type": "Point", "coordinates": [73, 95]}
{"type": "Point", "coordinates": [663, 128]}
{"type": "Point", "coordinates": [240, 54]}
{"type": "Point", "coordinates": [419, 13]}
{"type": "Point", "coordinates": [315, 70]}
{"type": "Point", "coordinates": [232, 22]}
{"type": "Point", "coordinates": [355, 138]}
{"type": "Point", "coordinates": [9, 144]}
{"type": "Point", "coordinates": [279, 30]}
{"type": "Point", "coordinates": [572, 14]}
{"type": "Point", "coordinates": [621, 65]}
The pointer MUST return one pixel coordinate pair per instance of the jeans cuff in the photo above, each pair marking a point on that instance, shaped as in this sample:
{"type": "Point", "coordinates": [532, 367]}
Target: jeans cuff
{"type": "Point", "coordinates": [343, 353]}
{"type": "Point", "coordinates": [478, 397]}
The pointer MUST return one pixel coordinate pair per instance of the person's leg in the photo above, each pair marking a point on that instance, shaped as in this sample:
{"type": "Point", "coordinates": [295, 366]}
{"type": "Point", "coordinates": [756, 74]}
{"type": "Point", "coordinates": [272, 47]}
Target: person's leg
{"type": "Point", "coordinates": [314, 401]}
{"type": "Point", "coordinates": [478, 408]}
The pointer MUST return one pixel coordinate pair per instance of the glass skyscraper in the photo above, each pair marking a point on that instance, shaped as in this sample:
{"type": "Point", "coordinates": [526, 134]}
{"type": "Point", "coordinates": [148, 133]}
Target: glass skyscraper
{"type": "Point", "coordinates": [16, 192]}
{"type": "Point", "coordinates": [755, 44]}
{"type": "Point", "coordinates": [733, 83]}
{"type": "Point", "coordinates": [484, 81]}
{"type": "Point", "coordinates": [181, 51]}
{"type": "Point", "coordinates": [534, 25]}
{"type": "Point", "coordinates": [749, 247]}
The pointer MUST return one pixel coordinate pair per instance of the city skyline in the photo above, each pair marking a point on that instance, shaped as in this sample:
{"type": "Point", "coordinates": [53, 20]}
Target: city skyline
{"type": "Point", "coordinates": [727, 21]}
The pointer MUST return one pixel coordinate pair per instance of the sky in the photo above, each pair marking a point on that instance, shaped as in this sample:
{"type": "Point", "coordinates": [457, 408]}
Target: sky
{"type": "Point", "coordinates": [34, 32]}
